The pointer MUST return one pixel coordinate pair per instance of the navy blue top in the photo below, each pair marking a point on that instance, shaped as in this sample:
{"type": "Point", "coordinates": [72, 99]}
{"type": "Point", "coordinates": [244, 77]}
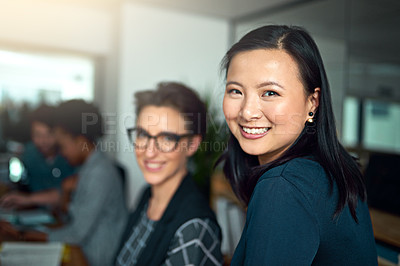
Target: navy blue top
{"type": "Point", "coordinates": [290, 222]}
{"type": "Point", "coordinates": [43, 174]}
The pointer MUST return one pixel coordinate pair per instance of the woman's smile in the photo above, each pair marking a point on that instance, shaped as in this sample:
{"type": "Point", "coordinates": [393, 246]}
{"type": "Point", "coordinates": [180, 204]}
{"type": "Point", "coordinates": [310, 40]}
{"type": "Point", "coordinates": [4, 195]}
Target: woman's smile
{"type": "Point", "coordinates": [154, 166]}
{"type": "Point", "coordinates": [254, 132]}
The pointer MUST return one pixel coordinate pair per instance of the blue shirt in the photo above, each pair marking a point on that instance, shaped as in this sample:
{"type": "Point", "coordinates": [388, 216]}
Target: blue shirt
{"type": "Point", "coordinates": [290, 222]}
{"type": "Point", "coordinates": [43, 174]}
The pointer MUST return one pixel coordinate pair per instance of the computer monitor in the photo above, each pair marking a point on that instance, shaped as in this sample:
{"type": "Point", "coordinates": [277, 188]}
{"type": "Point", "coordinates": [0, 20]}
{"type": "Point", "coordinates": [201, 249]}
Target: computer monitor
{"type": "Point", "coordinates": [382, 176]}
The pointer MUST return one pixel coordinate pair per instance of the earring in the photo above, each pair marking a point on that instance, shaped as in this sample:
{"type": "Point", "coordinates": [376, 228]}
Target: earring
{"type": "Point", "coordinates": [310, 120]}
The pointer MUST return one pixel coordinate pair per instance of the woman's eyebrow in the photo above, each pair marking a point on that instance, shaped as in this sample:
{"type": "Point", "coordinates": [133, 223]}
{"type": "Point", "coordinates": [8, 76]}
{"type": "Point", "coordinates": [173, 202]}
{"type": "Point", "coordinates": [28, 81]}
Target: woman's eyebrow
{"type": "Point", "coordinates": [234, 83]}
{"type": "Point", "coordinates": [167, 133]}
{"type": "Point", "coordinates": [269, 83]}
{"type": "Point", "coordinates": [263, 84]}
{"type": "Point", "coordinates": [159, 133]}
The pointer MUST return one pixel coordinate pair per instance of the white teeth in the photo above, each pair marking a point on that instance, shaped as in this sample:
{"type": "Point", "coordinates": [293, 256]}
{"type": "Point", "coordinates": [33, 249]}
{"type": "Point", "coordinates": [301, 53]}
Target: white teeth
{"type": "Point", "coordinates": [153, 165]}
{"type": "Point", "coordinates": [255, 130]}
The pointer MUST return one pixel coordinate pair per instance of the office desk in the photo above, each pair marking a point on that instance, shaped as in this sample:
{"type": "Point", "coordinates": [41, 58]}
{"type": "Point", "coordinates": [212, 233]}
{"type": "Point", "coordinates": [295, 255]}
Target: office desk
{"type": "Point", "coordinates": [386, 227]}
{"type": "Point", "coordinates": [72, 255]}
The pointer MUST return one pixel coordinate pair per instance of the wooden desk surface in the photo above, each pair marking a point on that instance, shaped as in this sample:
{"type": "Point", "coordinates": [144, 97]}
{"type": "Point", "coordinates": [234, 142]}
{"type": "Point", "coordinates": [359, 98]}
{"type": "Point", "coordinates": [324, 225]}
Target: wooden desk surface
{"type": "Point", "coordinates": [73, 256]}
{"type": "Point", "coordinates": [386, 227]}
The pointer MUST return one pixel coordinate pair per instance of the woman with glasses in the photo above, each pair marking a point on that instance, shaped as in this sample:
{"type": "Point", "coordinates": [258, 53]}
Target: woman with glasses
{"type": "Point", "coordinates": [173, 223]}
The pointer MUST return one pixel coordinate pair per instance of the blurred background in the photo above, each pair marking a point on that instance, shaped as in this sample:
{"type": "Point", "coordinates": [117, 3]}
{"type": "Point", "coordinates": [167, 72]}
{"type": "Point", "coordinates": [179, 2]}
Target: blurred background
{"type": "Point", "coordinates": [105, 50]}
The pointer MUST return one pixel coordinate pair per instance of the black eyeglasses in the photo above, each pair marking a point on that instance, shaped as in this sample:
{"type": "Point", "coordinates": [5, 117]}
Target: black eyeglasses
{"type": "Point", "coordinates": [164, 141]}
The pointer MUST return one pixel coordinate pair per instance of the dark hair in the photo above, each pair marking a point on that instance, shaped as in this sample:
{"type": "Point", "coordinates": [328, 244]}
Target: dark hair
{"type": "Point", "coordinates": [44, 114]}
{"type": "Point", "coordinates": [80, 118]}
{"type": "Point", "coordinates": [180, 98]}
{"type": "Point", "coordinates": [318, 139]}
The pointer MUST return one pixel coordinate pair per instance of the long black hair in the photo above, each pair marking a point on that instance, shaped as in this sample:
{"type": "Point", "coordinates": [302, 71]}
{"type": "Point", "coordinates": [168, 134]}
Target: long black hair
{"type": "Point", "coordinates": [318, 139]}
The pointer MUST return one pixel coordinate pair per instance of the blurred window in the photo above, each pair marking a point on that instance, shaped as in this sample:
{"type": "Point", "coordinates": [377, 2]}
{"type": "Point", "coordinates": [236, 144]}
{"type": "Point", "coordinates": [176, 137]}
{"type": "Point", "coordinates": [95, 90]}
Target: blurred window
{"type": "Point", "coordinates": [50, 78]}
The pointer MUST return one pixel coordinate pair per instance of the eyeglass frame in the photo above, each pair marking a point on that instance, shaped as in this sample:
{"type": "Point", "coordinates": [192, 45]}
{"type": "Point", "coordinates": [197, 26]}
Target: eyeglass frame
{"type": "Point", "coordinates": [177, 138]}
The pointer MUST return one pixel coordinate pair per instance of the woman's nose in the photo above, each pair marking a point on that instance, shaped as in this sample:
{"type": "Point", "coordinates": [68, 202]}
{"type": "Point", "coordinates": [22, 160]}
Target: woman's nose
{"type": "Point", "coordinates": [151, 148]}
{"type": "Point", "coordinates": [250, 109]}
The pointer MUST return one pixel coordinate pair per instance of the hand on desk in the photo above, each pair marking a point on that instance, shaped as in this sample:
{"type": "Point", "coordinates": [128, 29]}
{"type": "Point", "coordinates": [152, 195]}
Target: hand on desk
{"type": "Point", "coordinates": [10, 232]}
{"type": "Point", "coordinates": [18, 200]}
{"type": "Point", "coordinates": [50, 197]}
{"type": "Point", "coordinates": [15, 200]}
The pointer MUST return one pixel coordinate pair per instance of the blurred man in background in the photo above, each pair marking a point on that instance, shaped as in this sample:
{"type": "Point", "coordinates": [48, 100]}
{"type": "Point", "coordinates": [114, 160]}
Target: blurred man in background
{"type": "Point", "coordinates": [45, 167]}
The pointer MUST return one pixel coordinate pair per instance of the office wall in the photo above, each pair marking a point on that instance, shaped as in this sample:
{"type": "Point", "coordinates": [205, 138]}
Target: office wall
{"type": "Point", "coordinates": [164, 45]}
{"type": "Point", "coordinates": [55, 25]}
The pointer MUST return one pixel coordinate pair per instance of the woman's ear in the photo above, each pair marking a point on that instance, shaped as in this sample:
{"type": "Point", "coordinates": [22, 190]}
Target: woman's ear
{"type": "Point", "coordinates": [194, 144]}
{"type": "Point", "coordinates": [314, 100]}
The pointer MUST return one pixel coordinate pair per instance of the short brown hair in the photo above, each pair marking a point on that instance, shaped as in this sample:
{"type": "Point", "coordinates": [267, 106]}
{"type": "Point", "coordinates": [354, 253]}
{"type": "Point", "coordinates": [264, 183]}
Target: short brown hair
{"type": "Point", "coordinates": [43, 114]}
{"type": "Point", "coordinates": [179, 97]}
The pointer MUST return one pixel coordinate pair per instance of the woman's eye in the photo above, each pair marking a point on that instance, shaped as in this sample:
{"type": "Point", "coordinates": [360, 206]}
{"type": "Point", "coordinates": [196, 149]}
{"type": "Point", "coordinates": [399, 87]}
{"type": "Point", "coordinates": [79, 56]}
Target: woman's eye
{"type": "Point", "coordinates": [234, 91]}
{"type": "Point", "coordinates": [141, 134]}
{"type": "Point", "coordinates": [270, 93]}
{"type": "Point", "coordinates": [167, 138]}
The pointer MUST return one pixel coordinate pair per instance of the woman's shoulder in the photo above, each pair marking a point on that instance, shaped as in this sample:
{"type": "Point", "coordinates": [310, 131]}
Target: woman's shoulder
{"type": "Point", "coordinates": [189, 199]}
{"type": "Point", "coordinates": [188, 203]}
{"type": "Point", "coordinates": [304, 173]}
{"type": "Point", "coordinates": [302, 166]}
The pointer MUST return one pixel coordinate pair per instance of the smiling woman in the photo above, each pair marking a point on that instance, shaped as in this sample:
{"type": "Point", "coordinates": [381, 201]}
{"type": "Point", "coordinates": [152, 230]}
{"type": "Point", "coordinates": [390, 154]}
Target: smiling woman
{"type": "Point", "coordinates": [264, 96]}
{"type": "Point", "coordinates": [173, 223]}
{"type": "Point", "coordinates": [305, 194]}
